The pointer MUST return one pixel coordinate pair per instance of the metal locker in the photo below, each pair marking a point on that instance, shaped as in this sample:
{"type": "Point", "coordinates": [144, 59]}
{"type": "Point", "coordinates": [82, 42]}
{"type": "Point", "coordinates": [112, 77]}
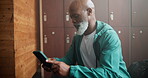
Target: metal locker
{"type": "Point", "coordinates": [67, 19]}
{"type": "Point", "coordinates": [69, 34]}
{"type": "Point", "coordinates": [101, 10]}
{"type": "Point", "coordinates": [119, 12]}
{"type": "Point", "coordinates": [139, 13]}
{"type": "Point", "coordinates": [52, 13]}
{"type": "Point", "coordinates": [139, 43]}
{"type": "Point", "coordinates": [53, 43]}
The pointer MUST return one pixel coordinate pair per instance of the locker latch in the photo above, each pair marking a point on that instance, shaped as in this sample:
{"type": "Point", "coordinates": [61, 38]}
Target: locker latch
{"type": "Point", "coordinates": [67, 39]}
{"type": "Point", "coordinates": [112, 16]}
{"type": "Point", "coordinates": [45, 39]}
{"type": "Point", "coordinates": [67, 16]}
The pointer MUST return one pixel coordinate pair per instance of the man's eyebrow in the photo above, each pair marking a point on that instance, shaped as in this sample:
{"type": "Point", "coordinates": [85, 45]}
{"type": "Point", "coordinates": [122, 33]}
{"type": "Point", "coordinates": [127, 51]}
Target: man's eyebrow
{"type": "Point", "coordinates": [74, 15]}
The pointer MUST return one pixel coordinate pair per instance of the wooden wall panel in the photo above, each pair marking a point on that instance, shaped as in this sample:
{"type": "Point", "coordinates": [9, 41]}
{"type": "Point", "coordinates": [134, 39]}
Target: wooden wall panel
{"type": "Point", "coordinates": [17, 38]}
{"type": "Point", "coordinates": [25, 38]}
{"type": "Point", "coordinates": [6, 9]}
{"type": "Point", "coordinates": [6, 39]}
{"type": "Point", "coordinates": [5, 17]}
{"type": "Point", "coordinates": [6, 34]}
{"type": "Point", "coordinates": [6, 2]}
{"type": "Point", "coordinates": [6, 48]}
{"type": "Point", "coordinates": [7, 72]}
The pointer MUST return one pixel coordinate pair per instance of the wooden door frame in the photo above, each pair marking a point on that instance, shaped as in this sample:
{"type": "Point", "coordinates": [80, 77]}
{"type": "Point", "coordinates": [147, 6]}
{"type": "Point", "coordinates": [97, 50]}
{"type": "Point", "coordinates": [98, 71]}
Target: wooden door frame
{"type": "Point", "coordinates": [41, 34]}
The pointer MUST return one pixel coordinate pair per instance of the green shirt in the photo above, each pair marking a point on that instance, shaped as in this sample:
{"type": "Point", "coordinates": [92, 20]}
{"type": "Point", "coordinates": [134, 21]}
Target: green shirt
{"type": "Point", "coordinates": [107, 48]}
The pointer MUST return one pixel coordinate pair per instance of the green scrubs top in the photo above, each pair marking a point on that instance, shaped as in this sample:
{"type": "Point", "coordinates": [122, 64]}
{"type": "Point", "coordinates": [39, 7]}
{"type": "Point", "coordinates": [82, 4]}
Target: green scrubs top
{"type": "Point", "coordinates": [107, 48]}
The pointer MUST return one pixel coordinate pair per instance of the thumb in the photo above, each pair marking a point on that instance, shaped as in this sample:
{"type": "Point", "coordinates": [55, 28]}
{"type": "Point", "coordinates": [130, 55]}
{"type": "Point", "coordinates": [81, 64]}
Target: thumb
{"type": "Point", "coordinates": [52, 61]}
{"type": "Point", "coordinates": [49, 61]}
{"type": "Point", "coordinates": [56, 62]}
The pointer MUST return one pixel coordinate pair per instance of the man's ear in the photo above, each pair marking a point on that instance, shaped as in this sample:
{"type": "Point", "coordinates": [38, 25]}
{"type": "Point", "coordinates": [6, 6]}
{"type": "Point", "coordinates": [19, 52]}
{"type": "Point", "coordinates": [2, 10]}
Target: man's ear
{"type": "Point", "coordinates": [89, 11]}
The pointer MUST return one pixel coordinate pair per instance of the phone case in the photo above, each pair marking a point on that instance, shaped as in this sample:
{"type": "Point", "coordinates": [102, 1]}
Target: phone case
{"type": "Point", "coordinates": [42, 57]}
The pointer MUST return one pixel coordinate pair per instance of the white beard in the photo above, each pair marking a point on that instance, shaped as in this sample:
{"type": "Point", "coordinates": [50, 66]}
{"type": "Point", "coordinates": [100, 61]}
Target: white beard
{"type": "Point", "coordinates": [82, 28]}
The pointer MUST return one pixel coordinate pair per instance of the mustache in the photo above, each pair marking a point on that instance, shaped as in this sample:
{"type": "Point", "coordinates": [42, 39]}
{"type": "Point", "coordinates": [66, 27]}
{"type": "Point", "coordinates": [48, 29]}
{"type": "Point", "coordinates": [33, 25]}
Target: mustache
{"type": "Point", "coordinates": [77, 26]}
{"type": "Point", "coordinates": [80, 25]}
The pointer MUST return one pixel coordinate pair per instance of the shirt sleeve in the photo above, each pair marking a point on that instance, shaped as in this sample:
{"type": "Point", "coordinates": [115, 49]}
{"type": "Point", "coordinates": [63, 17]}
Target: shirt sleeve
{"type": "Point", "coordinates": [109, 60]}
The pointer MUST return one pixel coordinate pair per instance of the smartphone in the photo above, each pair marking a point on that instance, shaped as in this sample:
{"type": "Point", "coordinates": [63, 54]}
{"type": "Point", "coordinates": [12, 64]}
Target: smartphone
{"type": "Point", "coordinates": [42, 57]}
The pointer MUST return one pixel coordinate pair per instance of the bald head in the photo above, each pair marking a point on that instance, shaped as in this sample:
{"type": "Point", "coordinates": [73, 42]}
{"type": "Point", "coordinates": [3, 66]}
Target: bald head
{"type": "Point", "coordinates": [82, 14]}
{"type": "Point", "coordinates": [81, 5]}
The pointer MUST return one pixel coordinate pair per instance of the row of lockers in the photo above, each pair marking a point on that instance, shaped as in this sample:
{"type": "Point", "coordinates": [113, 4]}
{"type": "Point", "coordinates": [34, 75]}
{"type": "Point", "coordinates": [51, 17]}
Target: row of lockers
{"type": "Point", "coordinates": [115, 12]}
{"type": "Point", "coordinates": [134, 43]}
{"type": "Point", "coordinates": [127, 17]}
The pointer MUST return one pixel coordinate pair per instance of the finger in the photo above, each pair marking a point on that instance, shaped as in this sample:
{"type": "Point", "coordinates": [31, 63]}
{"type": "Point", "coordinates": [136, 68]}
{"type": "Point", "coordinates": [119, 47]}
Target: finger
{"type": "Point", "coordinates": [49, 61]}
{"type": "Point", "coordinates": [55, 68]}
{"type": "Point", "coordinates": [53, 61]}
{"type": "Point", "coordinates": [46, 68]}
{"type": "Point", "coordinates": [56, 62]}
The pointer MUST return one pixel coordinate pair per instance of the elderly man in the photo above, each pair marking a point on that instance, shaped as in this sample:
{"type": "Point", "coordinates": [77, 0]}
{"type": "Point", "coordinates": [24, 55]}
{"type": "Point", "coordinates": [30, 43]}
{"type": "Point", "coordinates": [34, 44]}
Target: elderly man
{"type": "Point", "coordinates": [96, 49]}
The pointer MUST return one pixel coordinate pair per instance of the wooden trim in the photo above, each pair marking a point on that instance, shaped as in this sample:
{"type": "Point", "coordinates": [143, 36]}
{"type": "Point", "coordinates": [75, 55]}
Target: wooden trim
{"type": "Point", "coordinates": [41, 34]}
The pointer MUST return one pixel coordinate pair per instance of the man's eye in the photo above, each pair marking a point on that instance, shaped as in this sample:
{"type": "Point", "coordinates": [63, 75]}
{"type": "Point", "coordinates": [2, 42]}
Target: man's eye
{"type": "Point", "coordinates": [76, 16]}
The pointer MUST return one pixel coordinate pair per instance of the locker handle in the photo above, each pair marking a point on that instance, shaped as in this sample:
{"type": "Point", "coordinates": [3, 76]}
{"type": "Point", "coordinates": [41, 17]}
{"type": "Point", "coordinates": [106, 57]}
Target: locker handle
{"type": "Point", "coordinates": [53, 33]}
{"type": "Point", "coordinates": [112, 16]}
{"type": "Point", "coordinates": [140, 31]}
{"type": "Point", "coordinates": [134, 12]}
{"type": "Point", "coordinates": [133, 36]}
{"type": "Point", "coordinates": [67, 39]}
{"type": "Point", "coordinates": [119, 32]}
{"type": "Point", "coordinates": [45, 39]}
{"type": "Point", "coordinates": [67, 16]}
{"type": "Point", "coordinates": [45, 17]}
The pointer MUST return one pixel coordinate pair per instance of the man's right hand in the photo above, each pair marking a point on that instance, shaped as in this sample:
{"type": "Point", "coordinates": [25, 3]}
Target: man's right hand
{"type": "Point", "coordinates": [54, 67]}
